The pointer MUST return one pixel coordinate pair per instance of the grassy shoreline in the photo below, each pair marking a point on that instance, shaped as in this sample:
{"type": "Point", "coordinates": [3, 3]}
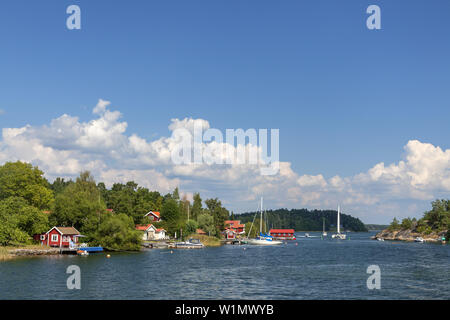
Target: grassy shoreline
{"type": "Point", "coordinates": [207, 240]}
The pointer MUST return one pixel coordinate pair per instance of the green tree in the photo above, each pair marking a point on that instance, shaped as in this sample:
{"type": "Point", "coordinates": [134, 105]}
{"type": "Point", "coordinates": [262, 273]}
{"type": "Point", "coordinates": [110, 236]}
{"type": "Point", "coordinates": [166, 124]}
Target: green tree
{"type": "Point", "coordinates": [171, 215]}
{"type": "Point", "coordinates": [20, 221]}
{"type": "Point", "coordinates": [19, 179]}
{"type": "Point", "coordinates": [395, 225]}
{"type": "Point", "coordinates": [219, 213]}
{"type": "Point", "coordinates": [206, 223]}
{"type": "Point", "coordinates": [191, 227]}
{"type": "Point", "coordinates": [406, 224]}
{"type": "Point", "coordinates": [79, 204]}
{"type": "Point", "coordinates": [197, 207]}
{"type": "Point", "coordinates": [117, 232]}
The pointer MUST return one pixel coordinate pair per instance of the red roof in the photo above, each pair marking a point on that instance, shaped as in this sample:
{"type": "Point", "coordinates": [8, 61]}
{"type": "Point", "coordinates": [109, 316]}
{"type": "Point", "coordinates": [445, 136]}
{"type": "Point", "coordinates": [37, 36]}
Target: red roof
{"type": "Point", "coordinates": [143, 227]}
{"type": "Point", "coordinates": [282, 230]}
{"type": "Point", "coordinates": [159, 230]}
{"type": "Point", "coordinates": [200, 231]}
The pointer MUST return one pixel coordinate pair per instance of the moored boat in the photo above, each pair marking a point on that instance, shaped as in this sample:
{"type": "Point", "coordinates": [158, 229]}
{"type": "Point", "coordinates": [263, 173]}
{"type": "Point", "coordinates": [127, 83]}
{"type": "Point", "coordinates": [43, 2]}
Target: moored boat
{"type": "Point", "coordinates": [263, 239]}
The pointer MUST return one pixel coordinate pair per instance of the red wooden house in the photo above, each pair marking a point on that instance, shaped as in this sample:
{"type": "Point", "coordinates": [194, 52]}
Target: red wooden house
{"type": "Point", "coordinates": [59, 237]}
{"type": "Point", "coordinates": [236, 226]}
{"type": "Point", "coordinates": [154, 216]}
{"type": "Point", "coordinates": [283, 234]}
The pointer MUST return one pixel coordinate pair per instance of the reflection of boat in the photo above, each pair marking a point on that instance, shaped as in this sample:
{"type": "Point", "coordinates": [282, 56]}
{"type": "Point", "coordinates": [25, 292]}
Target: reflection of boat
{"type": "Point", "coordinates": [324, 233]}
{"type": "Point", "coordinates": [263, 239]}
{"type": "Point", "coordinates": [419, 239]}
{"type": "Point", "coordinates": [339, 235]}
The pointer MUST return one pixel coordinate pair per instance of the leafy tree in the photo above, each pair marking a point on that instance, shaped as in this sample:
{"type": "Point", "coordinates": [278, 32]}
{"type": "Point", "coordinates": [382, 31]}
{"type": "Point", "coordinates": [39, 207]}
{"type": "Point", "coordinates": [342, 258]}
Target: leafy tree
{"type": "Point", "coordinates": [219, 213]}
{"type": "Point", "coordinates": [20, 221]}
{"type": "Point", "coordinates": [19, 179]}
{"type": "Point", "coordinates": [117, 232]}
{"type": "Point", "coordinates": [206, 223]}
{"type": "Point", "coordinates": [406, 224]}
{"type": "Point", "coordinates": [197, 207]}
{"type": "Point", "coordinates": [78, 204]}
{"type": "Point", "coordinates": [191, 226]}
{"type": "Point", "coordinates": [395, 225]}
{"type": "Point", "coordinates": [59, 184]}
{"type": "Point", "coordinates": [171, 215]}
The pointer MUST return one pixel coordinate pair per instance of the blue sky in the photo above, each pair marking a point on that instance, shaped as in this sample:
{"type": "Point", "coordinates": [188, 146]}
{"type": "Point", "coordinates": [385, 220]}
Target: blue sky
{"type": "Point", "coordinates": [344, 97]}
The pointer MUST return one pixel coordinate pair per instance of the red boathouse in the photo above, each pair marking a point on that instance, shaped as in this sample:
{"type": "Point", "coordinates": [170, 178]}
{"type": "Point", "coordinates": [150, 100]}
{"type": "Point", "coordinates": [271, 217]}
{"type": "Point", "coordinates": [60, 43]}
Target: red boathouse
{"type": "Point", "coordinates": [283, 234]}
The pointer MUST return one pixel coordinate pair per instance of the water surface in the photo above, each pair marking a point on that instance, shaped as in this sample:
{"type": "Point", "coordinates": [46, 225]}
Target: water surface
{"type": "Point", "coordinates": [312, 269]}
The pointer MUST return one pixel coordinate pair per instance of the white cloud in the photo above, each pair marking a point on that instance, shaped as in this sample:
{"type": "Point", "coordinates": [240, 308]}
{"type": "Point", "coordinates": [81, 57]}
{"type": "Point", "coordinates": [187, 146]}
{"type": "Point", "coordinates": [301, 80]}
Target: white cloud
{"type": "Point", "coordinates": [67, 146]}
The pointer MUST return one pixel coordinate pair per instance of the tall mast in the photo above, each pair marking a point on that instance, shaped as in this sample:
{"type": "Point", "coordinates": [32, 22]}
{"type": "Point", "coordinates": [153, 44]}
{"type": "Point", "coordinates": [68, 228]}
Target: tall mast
{"type": "Point", "coordinates": [339, 220]}
{"type": "Point", "coordinates": [260, 220]}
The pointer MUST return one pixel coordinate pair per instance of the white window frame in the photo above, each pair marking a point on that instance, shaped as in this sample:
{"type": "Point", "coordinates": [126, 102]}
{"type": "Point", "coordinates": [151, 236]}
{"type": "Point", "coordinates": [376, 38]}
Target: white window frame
{"type": "Point", "coordinates": [42, 237]}
{"type": "Point", "coordinates": [55, 237]}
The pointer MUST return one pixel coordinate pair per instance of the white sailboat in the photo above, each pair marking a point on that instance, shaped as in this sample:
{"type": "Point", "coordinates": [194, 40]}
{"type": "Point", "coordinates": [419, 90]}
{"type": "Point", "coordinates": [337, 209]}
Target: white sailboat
{"type": "Point", "coordinates": [263, 239]}
{"type": "Point", "coordinates": [339, 235]}
{"type": "Point", "coordinates": [324, 233]}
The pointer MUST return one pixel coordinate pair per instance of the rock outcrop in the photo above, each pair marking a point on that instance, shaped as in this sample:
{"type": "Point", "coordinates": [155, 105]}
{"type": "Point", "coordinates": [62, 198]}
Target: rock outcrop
{"type": "Point", "coordinates": [409, 235]}
{"type": "Point", "coordinates": [34, 252]}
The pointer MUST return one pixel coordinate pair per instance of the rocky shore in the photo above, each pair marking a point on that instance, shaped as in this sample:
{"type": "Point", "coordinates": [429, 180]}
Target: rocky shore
{"type": "Point", "coordinates": [33, 252]}
{"type": "Point", "coordinates": [408, 235]}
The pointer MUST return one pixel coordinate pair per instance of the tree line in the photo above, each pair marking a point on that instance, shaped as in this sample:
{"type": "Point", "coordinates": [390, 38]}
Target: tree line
{"type": "Point", "coordinates": [435, 220]}
{"type": "Point", "coordinates": [30, 204]}
{"type": "Point", "coordinates": [304, 220]}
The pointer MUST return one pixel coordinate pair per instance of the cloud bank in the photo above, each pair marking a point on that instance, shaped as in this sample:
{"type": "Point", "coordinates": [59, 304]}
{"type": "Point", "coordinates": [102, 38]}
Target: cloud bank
{"type": "Point", "coordinates": [67, 146]}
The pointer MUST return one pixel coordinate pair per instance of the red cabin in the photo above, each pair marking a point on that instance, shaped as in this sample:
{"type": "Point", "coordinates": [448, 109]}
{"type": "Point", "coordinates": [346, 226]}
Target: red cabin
{"type": "Point", "coordinates": [58, 237]}
{"type": "Point", "coordinates": [283, 234]}
{"type": "Point", "coordinates": [154, 216]}
{"type": "Point", "coordinates": [236, 226]}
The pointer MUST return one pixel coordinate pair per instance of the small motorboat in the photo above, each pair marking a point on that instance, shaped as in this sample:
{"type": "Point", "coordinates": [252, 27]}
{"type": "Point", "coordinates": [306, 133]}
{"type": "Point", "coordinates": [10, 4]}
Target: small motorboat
{"type": "Point", "coordinates": [380, 239]}
{"type": "Point", "coordinates": [190, 244]}
{"type": "Point", "coordinates": [82, 253]}
{"type": "Point", "coordinates": [419, 239]}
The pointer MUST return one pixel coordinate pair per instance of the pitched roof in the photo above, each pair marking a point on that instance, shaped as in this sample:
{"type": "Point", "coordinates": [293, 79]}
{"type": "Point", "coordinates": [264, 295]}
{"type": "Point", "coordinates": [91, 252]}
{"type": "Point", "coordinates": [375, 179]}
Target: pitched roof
{"type": "Point", "coordinates": [160, 230]}
{"type": "Point", "coordinates": [200, 231]}
{"type": "Point", "coordinates": [155, 213]}
{"type": "Point", "coordinates": [143, 227]}
{"type": "Point", "coordinates": [65, 230]}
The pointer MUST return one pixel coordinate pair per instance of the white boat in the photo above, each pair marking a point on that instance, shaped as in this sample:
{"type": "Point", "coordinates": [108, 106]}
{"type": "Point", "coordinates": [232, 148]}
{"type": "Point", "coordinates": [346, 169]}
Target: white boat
{"type": "Point", "coordinates": [263, 239]}
{"type": "Point", "coordinates": [324, 233]}
{"type": "Point", "coordinates": [339, 235]}
{"type": "Point", "coordinates": [419, 239]}
{"type": "Point", "coordinates": [380, 239]}
{"type": "Point", "coordinates": [190, 244]}
{"type": "Point", "coordinates": [82, 253]}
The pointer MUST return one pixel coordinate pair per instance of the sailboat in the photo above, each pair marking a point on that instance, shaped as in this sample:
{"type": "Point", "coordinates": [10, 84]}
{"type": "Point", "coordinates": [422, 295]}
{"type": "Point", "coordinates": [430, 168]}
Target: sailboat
{"type": "Point", "coordinates": [324, 233]}
{"type": "Point", "coordinates": [339, 235]}
{"type": "Point", "coordinates": [263, 239]}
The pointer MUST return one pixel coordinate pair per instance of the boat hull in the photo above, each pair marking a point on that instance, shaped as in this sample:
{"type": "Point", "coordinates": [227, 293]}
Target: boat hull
{"type": "Point", "coordinates": [259, 242]}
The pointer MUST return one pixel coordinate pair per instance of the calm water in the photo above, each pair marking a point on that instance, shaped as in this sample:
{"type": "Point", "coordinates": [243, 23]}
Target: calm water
{"type": "Point", "coordinates": [313, 269]}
